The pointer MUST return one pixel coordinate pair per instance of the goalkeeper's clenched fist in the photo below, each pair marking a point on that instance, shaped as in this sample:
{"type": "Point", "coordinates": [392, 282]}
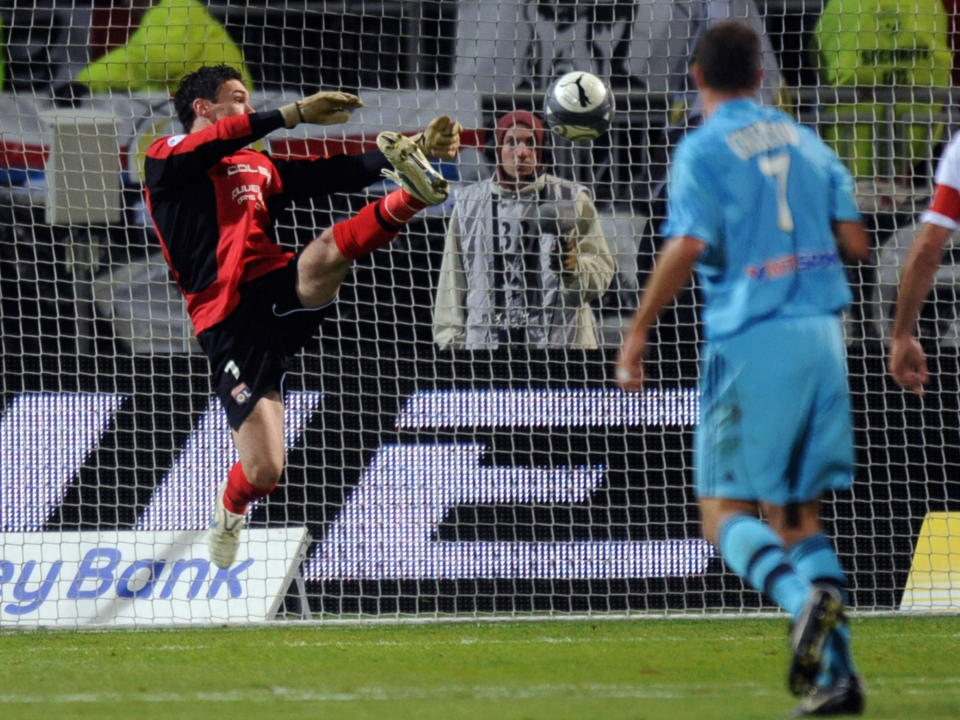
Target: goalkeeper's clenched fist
{"type": "Point", "coordinates": [322, 108]}
{"type": "Point", "coordinates": [441, 139]}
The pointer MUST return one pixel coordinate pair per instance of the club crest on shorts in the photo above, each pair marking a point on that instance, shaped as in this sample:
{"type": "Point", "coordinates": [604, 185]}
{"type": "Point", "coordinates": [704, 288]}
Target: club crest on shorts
{"type": "Point", "coordinates": [241, 393]}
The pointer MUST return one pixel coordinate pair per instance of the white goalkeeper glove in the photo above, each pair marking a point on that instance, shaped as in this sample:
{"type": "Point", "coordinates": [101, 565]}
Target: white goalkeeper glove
{"type": "Point", "coordinates": [441, 139]}
{"type": "Point", "coordinates": [322, 108]}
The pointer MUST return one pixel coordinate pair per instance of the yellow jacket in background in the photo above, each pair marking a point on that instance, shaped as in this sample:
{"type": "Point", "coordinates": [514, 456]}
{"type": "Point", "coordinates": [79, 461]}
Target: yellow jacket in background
{"type": "Point", "coordinates": [867, 44]}
{"type": "Point", "coordinates": [175, 37]}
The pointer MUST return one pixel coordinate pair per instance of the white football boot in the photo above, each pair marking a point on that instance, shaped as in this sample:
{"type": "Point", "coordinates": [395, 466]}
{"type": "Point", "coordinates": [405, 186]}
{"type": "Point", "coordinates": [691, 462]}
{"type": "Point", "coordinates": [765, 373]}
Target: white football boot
{"type": "Point", "coordinates": [223, 538]}
{"type": "Point", "coordinates": [413, 172]}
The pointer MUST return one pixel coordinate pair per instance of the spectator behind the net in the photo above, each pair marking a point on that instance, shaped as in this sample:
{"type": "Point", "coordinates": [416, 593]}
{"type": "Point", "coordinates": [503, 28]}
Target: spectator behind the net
{"type": "Point", "coordinates": [524, 254]}
{"type": "Point", "coordinates": [870, 44]}
{"type": "Point", "coordinates": [172, 39]}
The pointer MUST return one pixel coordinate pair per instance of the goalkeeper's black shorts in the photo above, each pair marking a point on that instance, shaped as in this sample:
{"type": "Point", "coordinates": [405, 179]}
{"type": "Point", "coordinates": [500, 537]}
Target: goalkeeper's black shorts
{"type": "Point", "coordinates": [251, 350]}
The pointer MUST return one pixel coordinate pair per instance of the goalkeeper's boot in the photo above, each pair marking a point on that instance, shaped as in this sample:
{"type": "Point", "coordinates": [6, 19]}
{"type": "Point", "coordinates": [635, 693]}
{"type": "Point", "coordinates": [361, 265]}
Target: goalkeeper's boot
{"type": "Point", "coordinates": [842, 697]}
{"type": "Point", "coordinates": [821, 613]}
{"type": "Point", "coordinates": [412, 171]}
{"type": "Point", "coordinates": [223, 538]}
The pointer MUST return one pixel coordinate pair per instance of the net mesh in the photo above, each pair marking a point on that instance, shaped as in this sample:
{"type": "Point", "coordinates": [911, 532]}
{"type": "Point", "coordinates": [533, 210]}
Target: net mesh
{"type": "Point", "coordinates": [435, 481]}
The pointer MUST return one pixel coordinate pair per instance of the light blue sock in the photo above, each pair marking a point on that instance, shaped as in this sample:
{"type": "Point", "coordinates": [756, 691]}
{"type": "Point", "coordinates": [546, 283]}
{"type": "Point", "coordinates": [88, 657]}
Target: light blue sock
{"type": "Point", "coordinates": [815, 559]}
{"type": "Point", "coordinates": [757, 554]}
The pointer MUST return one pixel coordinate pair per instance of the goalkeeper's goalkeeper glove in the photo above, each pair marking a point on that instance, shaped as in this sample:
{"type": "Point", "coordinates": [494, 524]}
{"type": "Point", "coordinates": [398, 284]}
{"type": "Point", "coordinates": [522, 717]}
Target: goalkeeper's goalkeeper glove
{"type": "Point", "coordinates": [322, 108]}
{"type": "Point", "coordinates": [441, 139]}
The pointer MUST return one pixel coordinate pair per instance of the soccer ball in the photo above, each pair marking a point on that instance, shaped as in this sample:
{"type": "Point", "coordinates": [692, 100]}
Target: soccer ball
{"type": "Point", "coordinates": [578, 106]}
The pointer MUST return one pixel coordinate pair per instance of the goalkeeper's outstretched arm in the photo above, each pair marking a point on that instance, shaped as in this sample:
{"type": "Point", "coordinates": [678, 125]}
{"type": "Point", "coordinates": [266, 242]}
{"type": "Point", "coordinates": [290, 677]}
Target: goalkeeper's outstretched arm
{"type": "Point", "coordinates": [440, 139]}
{"type": "Point", "coordinates": [351, 173]}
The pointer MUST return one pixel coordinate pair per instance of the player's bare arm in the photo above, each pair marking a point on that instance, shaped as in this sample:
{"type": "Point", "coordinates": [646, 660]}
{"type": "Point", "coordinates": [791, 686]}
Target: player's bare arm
{"type": "Point", "coordinates": [908, 362]}
{"type": "Point", "coordinates": [672, 272]}
{"type": "Point", "coordinates": [852, 240]}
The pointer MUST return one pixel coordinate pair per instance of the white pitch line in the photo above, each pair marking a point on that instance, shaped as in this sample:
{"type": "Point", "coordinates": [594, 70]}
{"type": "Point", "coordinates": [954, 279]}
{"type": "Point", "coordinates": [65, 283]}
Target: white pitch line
{"type": "Point", "coordinates": [382, 694]}
{"type": "Point", "coordinates": [637, 639]}
{"type": "Point", "coordinates": [547, 640]}
{"type": "Point", "coordinates": [656, 691]}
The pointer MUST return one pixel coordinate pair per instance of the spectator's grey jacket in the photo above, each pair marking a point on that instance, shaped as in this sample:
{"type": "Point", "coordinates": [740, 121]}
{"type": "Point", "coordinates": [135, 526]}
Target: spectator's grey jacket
{"type": "Point", "coordinates": [497, 236]}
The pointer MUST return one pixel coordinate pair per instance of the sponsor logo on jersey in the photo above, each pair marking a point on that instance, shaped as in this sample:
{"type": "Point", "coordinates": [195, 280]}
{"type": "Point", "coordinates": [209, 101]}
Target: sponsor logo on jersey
{"type": "Point", "coordinates": [790, 264]}
{"type": "Point", "coordinates": [241, 393]}
{"type": "Point", "coordinates": [247, 168]}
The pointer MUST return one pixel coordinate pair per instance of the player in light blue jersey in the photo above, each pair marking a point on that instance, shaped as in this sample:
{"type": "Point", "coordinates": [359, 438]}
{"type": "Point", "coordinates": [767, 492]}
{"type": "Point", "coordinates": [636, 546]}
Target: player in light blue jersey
{"type": "Point", "coordinates": [763, 210]}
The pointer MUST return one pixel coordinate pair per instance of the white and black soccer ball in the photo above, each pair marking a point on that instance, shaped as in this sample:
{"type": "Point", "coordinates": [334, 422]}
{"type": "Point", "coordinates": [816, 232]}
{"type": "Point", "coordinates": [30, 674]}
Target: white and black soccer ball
{"type": "Point", "coordinates": [578, 106]}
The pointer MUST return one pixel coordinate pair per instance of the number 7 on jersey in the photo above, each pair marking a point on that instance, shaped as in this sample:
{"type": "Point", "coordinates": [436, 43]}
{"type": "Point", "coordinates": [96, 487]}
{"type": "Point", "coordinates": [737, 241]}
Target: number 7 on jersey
{"type": "Point", "coordinates": [778, 166]}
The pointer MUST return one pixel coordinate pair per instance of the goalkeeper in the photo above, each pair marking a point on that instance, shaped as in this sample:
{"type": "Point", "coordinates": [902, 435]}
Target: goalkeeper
{"type": "Point", "coordinates": [763, 208]}
{"type": "Point", "coordinates": [253, 303]}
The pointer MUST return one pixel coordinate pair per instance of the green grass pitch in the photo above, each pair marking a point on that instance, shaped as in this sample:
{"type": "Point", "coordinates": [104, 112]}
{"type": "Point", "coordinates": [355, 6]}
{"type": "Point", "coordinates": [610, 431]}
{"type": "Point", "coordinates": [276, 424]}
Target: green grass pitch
{"type": "Point", "coordinates": [645, 668]}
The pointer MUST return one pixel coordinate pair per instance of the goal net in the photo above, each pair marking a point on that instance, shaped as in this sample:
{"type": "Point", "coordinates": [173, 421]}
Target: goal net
{"type": "Point", "coordinates": [429, 478]}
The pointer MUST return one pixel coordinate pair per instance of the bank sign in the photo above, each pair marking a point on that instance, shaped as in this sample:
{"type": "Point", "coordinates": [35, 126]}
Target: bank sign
{"type": "Point", "coordinates": [389, 523]}
{"type": "Point", "coordinates": [143, 578]}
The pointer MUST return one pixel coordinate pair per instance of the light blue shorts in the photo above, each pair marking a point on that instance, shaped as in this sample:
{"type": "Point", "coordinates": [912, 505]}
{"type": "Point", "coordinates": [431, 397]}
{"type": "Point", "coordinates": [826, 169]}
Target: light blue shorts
{"type": "Point", "coordinates": [775, 420]}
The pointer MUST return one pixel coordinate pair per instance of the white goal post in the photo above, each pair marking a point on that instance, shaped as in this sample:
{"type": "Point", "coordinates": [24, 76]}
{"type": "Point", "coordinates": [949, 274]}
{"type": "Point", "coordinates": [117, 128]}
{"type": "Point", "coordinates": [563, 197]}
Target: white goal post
{"type": "Point", "coordinates": [421, 481]}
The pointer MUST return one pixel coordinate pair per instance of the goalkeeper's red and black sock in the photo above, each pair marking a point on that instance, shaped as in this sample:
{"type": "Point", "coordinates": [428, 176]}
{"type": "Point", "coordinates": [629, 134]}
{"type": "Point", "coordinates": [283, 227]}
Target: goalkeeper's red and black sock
{"type": "Point", "coordinates": [376, 224]}
{"type": "Point", "coordinates": [240, 492]}
{"type": "Point", "coordinates": [400, 206]}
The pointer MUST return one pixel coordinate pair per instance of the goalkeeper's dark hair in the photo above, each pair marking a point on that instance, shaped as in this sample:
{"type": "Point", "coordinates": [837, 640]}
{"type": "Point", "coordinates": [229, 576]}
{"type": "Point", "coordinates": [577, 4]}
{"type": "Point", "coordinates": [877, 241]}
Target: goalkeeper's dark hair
{"type": "Point", "coordinates": [728, 55]}
{"type": "Point", "coordinates": [202, 83]}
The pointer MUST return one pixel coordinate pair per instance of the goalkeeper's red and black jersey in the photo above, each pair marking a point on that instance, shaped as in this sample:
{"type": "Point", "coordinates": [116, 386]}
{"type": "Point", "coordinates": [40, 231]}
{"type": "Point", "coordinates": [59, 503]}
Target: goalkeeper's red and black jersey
{"type": "Point", "coordinates": [213, 203]}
